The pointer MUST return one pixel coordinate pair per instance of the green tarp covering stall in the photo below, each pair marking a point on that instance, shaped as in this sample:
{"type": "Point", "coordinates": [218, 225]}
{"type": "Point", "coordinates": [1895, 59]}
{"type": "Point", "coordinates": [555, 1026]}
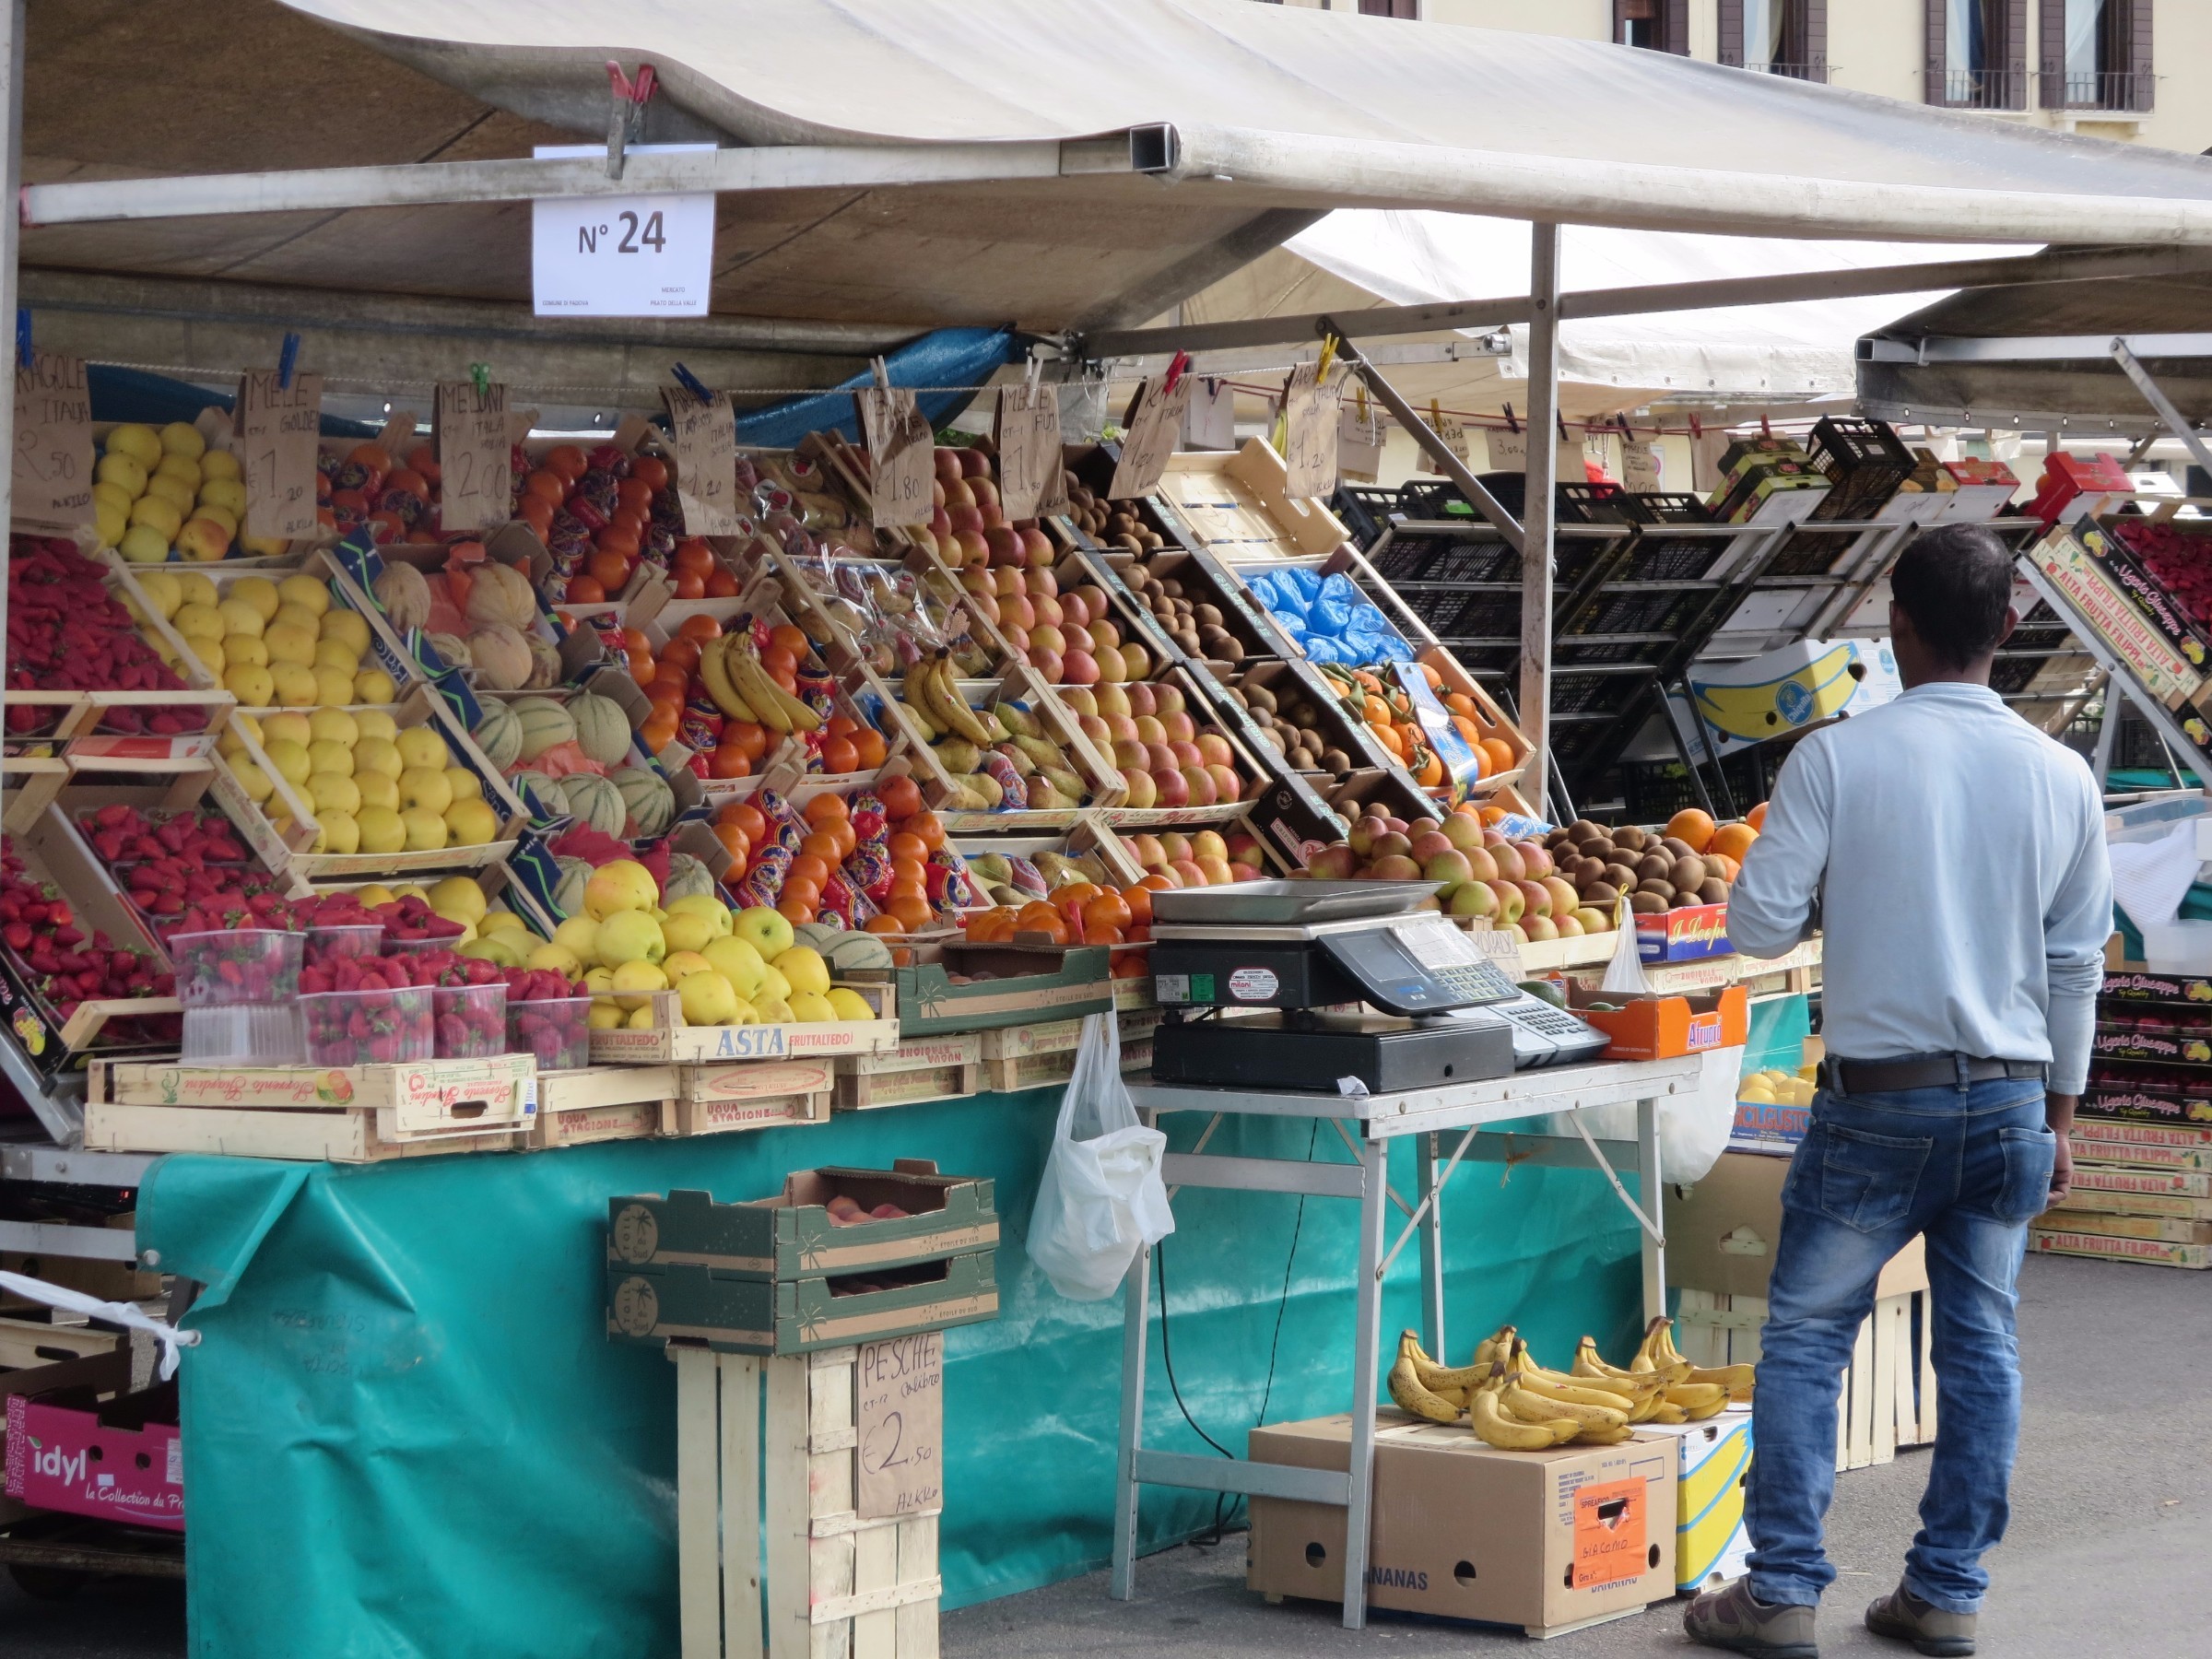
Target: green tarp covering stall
{"type": "Point", "coordinates": [405, 1432]}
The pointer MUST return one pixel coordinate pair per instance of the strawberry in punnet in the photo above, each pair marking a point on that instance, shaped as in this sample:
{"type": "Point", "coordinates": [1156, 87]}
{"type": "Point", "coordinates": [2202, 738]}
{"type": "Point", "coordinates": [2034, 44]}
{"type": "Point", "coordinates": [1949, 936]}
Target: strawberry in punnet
{"type": "Point", "coordinates": [547, 1019]}
{"type": "Point", "coordinates": [242, 962]}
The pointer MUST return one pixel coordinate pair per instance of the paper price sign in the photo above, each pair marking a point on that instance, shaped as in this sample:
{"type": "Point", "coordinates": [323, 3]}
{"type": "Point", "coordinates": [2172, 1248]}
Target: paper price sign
{"type": "Point", "coordinates": [53, 487]}
{"type": "Point", "coordinates": [703, 434]}
{"type": "Point", "coordinates": [1027, 436]}
{"type": "Point", "coordinates": [621, 256]}
{"type": "Point", "coordinates": [276, 427]}
{"type": "Point", "coordinates": [1609, 1532]}
{"type": "Point", "coordinates": [898, 1417]}
{"type": "Point", "coordinates": [902, 462]}
{"type": "Point", "coordinates": [1455, 434]}
{"type": "Point", "coordinates": [1149, 442]}
{"type": "Point", "coordinates": [1309, 433]}
{"type": "Point", "coordinates": [1642, 467]}
{"type": "Point", "coordinates": [473, 456]}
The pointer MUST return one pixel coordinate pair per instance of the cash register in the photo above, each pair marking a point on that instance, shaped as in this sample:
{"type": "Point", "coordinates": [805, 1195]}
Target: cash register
{"type": "Point", "coordinates": [1294, 985]}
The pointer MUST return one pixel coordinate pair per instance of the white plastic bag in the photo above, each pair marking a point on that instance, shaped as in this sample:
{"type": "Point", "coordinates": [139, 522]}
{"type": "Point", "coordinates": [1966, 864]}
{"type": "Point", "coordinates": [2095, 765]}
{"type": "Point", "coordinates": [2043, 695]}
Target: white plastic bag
{"type": "Point", "coordinates": [1694, 1123]}
{"type": "Point", "coordinates": [1102, 1197]}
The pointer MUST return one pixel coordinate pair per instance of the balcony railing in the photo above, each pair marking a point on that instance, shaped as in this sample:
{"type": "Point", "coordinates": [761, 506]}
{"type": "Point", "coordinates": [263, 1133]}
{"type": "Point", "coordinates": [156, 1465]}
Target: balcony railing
{"type": "Point", "coordinates": [1815, 71]}
{"type": "Point", "coordinates": [2106, 89]}
{"type": "Point", "coordinates": [1985, 89]}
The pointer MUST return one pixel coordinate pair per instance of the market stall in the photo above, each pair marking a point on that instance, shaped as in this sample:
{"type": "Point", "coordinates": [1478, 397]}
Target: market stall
{"type": "Point", "coordinates": [815, 704]}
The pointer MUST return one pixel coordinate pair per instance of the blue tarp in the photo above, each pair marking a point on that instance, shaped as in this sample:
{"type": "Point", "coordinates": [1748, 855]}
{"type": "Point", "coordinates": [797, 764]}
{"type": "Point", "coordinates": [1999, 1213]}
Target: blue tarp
{"type": "Point", "coordinates": [156, 399]}
{"type": "Point", "coordinates": [950, 357]}
{"type": "Point", "coordinates": [405, 1433]}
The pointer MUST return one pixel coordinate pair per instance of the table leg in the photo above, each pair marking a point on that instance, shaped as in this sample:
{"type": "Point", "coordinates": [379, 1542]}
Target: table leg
{"type": "Point", "coordinates": [1648, 1178]}
{"type": "Point", "coordinates": [1135, 1302]}
{"type": "Point", "coordinates": [1432, 1245]}
{"type": "Point", "coordinates": [1374, 1157]}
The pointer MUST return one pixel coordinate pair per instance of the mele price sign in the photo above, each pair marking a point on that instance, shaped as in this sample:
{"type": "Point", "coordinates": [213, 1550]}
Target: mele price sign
{"type": "Point", "coordinates": [621, 256]}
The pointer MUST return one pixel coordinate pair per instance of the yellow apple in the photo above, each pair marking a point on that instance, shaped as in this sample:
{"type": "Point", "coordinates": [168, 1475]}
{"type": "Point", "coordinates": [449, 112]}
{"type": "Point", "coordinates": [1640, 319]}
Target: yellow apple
{"type": "Point", "coordinates": [850, 1004]}
{"type": "Point", "coordinates": [239, 617]}
{"type": "Point", "coordinates": [774, 987]}
{"type": "Point", "coordinates": [810, 1007]}
{"type": "Point", "coordinates": [300, 617]}
{"type": "Point", "coordinates": [465, 784]}
{"type": "Point", "coordinates": [341, 833]}
{"type": "Point", "coordinates": [381, 830]}
{"type": "Point", "coordinates": [158, 513]}
{"type": "Point", "coordinates": [472, 824]}
{"type": "Point", "coordinates": [238, 648]}
{"type": "Point", "coordinates": [326, 754]}
{"type": "Point", "coordinates": [677, 963]}
{"type": "Point", "coordinates": [214, 656]}
{"type": "Point", "coordinates": [293, 686]}
{"type": "Point", "coordinates": [334, 654]}
{"type": "Point", "coordinates": [181, 438]}
{"type": "Point", "coordinates": [375, 686]}
{"type": "Point", "coordinates": [291, 759]}
{"type": "Point", "coordinates": [110, 523]}
{"type": "Point", "coordinates": [705, 905]}
{"type": "Point", "coordinates": [292, 727]}
{"type": "Point", "coordinates": [123, 471]}
{"type": "Point", "coordinates": [289, 643]}
{"type": "Point", "coordinates": [622, 884]}
{"type": "Point", "coordinates": [420, 748]}
{"type": "Point", "coordinates": [377, 755]}
{"type": "Point", "coordinates": [579, 935]}
{"type": "Point", "coordinates": [305, 591]}
{"type": "Point", "coordinates": [636, 981]}
{"type": "Point", "coordinates": [378, 789]}
{"type": "Point", "coordinates": [629, 936]}
{"type": "Point", "coordinates": [347, 627]}
{"type": "Point", "coordinates": [229, 494]}
{"type": "Point", "coordinates": [334, 725]}
{"type": "Point", "coordinates": [253, 780]}
{"type": "Point", "coordinates": [707, 998]}
{"type": "Point", "coordinates": [332, 791]}
{"type": "Point", "coordinates": [805, 968]}
{"type": "Point", "coordinates": [599, 980]}
{"type": "Point", "coordinates": [258, 592]}
{"type": "Point", "coordinates": [687, 932]}
{"type": "Point", "coordinates": [142, 544]}
{"type": "Point", "coordinates": [252, 687]}
{"type": "Point", "coordinates": [113, 495]}
{"type": "Point", "coordinates": [558, 958]}
{"type": "Point", "coordinates": [216, 515]}
{"type": "Point", "coordinates": [425, 791]}
{"type": "Point", "coordinates": [333, 689]}
{"type": "Point", "coordinates": [196, 621]}
{"type": "Point", "coordinates": [605, 1016]}
{"type": "Point", "coordinates": [425, 831]}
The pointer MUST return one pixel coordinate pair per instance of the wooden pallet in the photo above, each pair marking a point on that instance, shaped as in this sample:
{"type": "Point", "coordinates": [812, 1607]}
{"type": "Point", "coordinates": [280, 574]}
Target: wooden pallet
{"type": "Point", "coordinates": [1888, 1398]}
{"type": "Point", "coordinates": [837, 1586]}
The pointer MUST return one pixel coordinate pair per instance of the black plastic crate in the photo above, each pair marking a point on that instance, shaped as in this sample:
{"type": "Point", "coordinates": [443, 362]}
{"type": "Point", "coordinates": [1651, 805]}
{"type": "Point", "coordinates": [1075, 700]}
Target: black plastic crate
{"type": "Point", "coordinates": [1865, 463]}
{"type": "Point", "coordinates": [1437, 557]}
{"type": "Point", "coordinates": [1365, 510]}
{"type": "Point", "coordinates": [1671, 507]}
{"type": "Point", "coordinates": [1596, 504]}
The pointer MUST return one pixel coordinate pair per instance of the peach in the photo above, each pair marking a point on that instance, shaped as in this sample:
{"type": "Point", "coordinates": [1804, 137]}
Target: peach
{"type": "Point", "coordinates": [1191, 874]}
{"type": "Point", "coordinates": [1175, 844]}
{"type": "Point", "coordinates": [974, 465]}
{"type": "Point", "coordinates": [1169, 699]}
{"type": "Point", "coordinates": [1048, 609]}
{"type": "Point", "coordinates": [1217, 871]}
{"type": "Point", "coordinates": [1148, 851]}
{"type": "Point", "coordinates": [1148, 729]}
{"type": "Point", "coordinates": [1186, 753]}
{"type": "Point", "coordinates": [1018, 610]}
{"type": "Point", "coordinates": [1207, 843]}
{"type": "Point", "coordinates": [1333, 863]}
{"type": "Point", "coordinates": [1043, 584]}
{"type": "Point", "coordinates": [1113, 666]}
{"type": "Point", "coordinates": [1159, 757]}
{"type": "Point", "coordinates": [1082, 702]}
{"type": "Point", "coordinates": [1227, 786]}
{"type": "Point", "coordinates": [1095, 729]}
{"type": "Point", "coordinates": [1048, 663]}
{"type": "Point", "coordinates": [1145, 698]}
{"type": "Point", "coordinates": [1131, 754]}
{"type": "Point", "coordinates": [1172, 788]}
{"type": "Point", "coordinates": [1137, 660]}
{"type": "Point", "coordinates": [1042, 635]}
{"type": "Point", "coordinates": [1178, 726]}
{"type": "Point", "coordinates": [1078, 668]}
{"type": "Point", "coordinates": [1115, 700]}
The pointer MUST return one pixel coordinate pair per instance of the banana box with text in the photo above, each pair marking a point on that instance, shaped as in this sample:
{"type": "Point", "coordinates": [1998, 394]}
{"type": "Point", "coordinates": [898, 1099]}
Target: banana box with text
{"type": "Point", "coordinates": [1711, 1544]}
{"type": "Point", "coordinates": [1544, 1541]}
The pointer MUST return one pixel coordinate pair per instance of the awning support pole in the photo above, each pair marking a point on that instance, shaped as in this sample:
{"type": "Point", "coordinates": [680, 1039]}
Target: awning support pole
{"type": "Point", "coordinates": [1431, 446]}
{"type": "Point", "coordinates": [2176, 422]}
{"type": "Point", "coordinates": [1538, 515]}
{"type": "Point", "coordinates": [11, 177]}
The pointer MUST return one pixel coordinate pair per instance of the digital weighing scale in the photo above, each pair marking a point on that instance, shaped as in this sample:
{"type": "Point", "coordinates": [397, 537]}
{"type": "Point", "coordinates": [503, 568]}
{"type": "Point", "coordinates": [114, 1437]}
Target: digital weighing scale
{"type": "Point", "coordinates": [1304, 957]}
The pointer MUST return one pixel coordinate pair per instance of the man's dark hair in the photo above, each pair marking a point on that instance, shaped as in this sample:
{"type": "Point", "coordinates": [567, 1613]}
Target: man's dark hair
{"type": "Point", "coordinates": [1955, 583]}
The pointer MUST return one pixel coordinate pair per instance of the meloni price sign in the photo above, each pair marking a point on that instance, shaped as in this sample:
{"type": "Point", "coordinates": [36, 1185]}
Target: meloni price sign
{"type": "Point", "coordinates": [621, 256]}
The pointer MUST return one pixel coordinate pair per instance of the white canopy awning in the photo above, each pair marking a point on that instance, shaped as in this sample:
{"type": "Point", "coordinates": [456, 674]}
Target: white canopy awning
{"type": "Point", "coordinates": [930, 165]}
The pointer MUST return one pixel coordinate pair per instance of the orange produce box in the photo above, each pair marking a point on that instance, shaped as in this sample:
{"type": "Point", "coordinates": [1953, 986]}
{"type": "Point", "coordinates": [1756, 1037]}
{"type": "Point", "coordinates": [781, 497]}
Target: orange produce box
{"type": "Point", "coordinates": [1660, 1028]}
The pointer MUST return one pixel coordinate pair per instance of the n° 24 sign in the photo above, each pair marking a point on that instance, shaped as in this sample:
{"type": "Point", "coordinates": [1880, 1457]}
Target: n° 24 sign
{"type": "Point", "coordinates": [621, 256]}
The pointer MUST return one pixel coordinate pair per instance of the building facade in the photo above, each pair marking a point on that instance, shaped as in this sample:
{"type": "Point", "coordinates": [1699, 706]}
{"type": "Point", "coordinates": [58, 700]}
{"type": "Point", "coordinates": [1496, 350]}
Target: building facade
{"type": "Point", "coordinates": [2107, 68]}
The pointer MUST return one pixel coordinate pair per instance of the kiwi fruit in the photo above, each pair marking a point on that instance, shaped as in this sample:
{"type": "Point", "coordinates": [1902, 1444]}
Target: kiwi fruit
{"type": "Point", "coordinates": [1688, 873]}
{"type": "Point", "coordinates": [1305, 713]}
{"type": "Point", "coordinates": [1171, 587]}
{"type": "Point", "coordinates": [1207, 615]}
{"type": "Point", "coordinates": [1647, 905]}
{"type": "Point", "coordinates": [1302, 759]}
{"type": "Point", "coordinates": [1583, 829]}
{"type": "Point", "coordinates": [1674, 848]}
{"type": "Point", "coordinates": [1258, 697]}
{"type": "Point", "coordinates": [1600, 895]}
{"type": "Point", "coordinates": [1274, 740]}
{"type": "Point", "coordinates": [1657, 889]}
{"type": "Point", "coordinates": [1336, 760]}
{"type": "Point", "coordinates": [1620, 875]}
{"type": "Point", "coordinates": [1629, 838]}
{"type": "Point", "coordinates": [1244, 700]}
{"type": "Point", "coordinates": [1712, 890]}
{"type": "Point", "coordinates": [1313, 739]}
{"type": "Point", "coordinates": [1653, 866]}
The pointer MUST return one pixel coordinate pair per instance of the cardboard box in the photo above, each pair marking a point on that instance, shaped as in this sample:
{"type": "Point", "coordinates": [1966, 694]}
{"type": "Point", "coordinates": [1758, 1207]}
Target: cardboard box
{"type": "Point", "coordinates": [1710, 1544]}
{"type": "Point", "coordinates": [1028, 985]}
{"type": "Point", "coordinates": [791, 1236]}
{"type": "Point", "coordinates": [1544, 1540]}
{"type": "Point", "coordinates": [2055, 1241]}
{"type": "Point", "coordinates": [110, 1462]}
{"type": "Point", "coordinates": [1720, 1234]}
{"type": "Point", "coordinates": [2140, 985]}
{"type": "Point", "coordinates": [2142, 1146]}
{"type": "Point", "coordinates": [1689, 935]}
{"type": "Point", "coordinates": [1661, 1028]}
{"type": "Point", "coordinates": [2173, 1100]}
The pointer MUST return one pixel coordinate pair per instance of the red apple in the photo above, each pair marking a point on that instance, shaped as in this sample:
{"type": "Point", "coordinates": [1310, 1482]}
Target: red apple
{"type": "Point", "coordinates": [1333, 863]}
{"type": "Point", "coordinates": [1049, 662]}
{"type": "Point", "coordinates": [1186, 753]}
{"type": "Point", "coordinates": [1193, 876]}
{"type": "Point", "coordinates": [1079, 668]}
{"type": "Point", "coordinates": [1216, 751]}
{"type": "Point", "coordinates": [1142, 791]}
{"type": "Point", "coordinates": [1536, 899]}
{"type": "Point", "coordinates": [1397, 868]}
{"type": "Point", "coordinates": [1144, 700]}
{"type": "Point", "coordinates": [1511, 901]}
{"type": "Point", "coordinates": [1227, 786]}
{"type": "Point", "coordinates": [1172, 788]}
{"type": "Point", "coordinates": [1204, 792]}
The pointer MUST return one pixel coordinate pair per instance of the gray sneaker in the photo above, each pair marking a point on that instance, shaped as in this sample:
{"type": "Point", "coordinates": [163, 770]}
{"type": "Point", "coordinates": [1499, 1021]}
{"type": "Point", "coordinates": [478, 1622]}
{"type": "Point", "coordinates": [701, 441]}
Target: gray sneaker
{"type": "Point", "coordinates": [1733, 1618]}
{"type": "Point", "coordinates": [1903, 1616]}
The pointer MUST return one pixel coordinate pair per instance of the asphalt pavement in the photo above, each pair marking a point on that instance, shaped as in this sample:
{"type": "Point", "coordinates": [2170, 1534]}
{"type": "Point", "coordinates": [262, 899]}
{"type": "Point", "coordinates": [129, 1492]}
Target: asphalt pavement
{"type": "Point", "coordinates": [2112, 1527]}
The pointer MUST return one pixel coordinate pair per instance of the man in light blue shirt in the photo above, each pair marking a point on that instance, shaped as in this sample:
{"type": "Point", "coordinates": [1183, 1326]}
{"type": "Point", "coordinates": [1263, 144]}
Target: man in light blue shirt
{"type": "Point", "coordinates": [1953, 858]}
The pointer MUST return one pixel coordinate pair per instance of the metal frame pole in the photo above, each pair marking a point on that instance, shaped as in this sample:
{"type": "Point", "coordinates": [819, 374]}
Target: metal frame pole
{"type": "Point", "coordinates": [2154, 395]}
{"type": "Point", "coordinates": [11, 179]}
{"type": "Point", "coordinates": [1538, 508]}
{"type": "Point", "coordinates": [1136, 1289]}
{"type": "Point", "coordinates": [1430, 1198]}
{"type": "Point", "coordinates": [1366, 1336]}
{"type": "Point", "coordinates": [1648, 1194]}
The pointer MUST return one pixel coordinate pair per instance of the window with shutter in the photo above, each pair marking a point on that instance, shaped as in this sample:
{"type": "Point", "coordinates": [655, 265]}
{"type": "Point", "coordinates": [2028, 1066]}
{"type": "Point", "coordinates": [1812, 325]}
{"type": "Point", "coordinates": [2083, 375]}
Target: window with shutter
{"type": "Point", "coordinates": [1390, 8]}
{"type": "Point", "coordinates": [1780, 37]}
{"type": "Point", "coordinates": [1977, 53]}
{"type": "Point", "coordinates": [2095, 54]}
{"type": "Point", "coordinates": [1654, 25]}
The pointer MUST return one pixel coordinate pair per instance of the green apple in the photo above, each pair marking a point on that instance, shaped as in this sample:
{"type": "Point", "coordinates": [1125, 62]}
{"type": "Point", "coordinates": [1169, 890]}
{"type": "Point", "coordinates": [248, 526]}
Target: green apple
{"type": "Point", "coordinates": [767, 931]}
{"type": "Point", "coordinates": [736, 962]}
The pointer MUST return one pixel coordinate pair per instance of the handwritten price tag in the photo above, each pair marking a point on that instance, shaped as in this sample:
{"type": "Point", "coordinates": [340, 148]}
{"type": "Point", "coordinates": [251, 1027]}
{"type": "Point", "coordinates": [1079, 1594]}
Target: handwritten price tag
{"type": "Point", "coordinates": [276, 427]}
{"type": "Point", "coordinates": [899, 1414]}
{"type": "Point", "coordinates": [900, 460]}
{"type": "Point", "coordinates": [1309, 433]}
{"type": "Point", "coordinates": [1027, 436]}
{"type": "Point", "coordinates": [703, 434]}
{"type": "Point", "coordinates": [53, 487]}
{"type": "Point", "coordinates": [1642, 467]}
{"type": "Point", "coordinates": [1149, 442]}
{"type": "Point", "coordinates": [475, 473]}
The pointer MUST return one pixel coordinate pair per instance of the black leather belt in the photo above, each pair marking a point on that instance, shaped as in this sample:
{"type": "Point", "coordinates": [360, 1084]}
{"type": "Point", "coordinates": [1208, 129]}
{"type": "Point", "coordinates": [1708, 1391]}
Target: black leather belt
{"type": "Point", "coordinates": [1888, 1077]}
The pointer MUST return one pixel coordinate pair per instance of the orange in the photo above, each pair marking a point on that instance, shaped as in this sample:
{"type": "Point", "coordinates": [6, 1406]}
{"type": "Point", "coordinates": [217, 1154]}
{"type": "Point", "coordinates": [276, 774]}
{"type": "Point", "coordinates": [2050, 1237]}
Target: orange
{"type": "Point", "coordinates": [1108, 911]}
{"type": "Point", "coordinates": [584, 589]}
{"type": "Point", "coordinates": [1693, 827]}
{"type": "Point", "coordinates": [546, 487]}
{"type": "Point", "coordinates": [842, 832]}
{"type": "Point", "coordinates": [1040, 918]}
{"type": "Point", "coordinates": [651, 470]}
{"type": "Point", "coordinates": [808, 866]}
{"type": "Point", "coordinates": [793, 911]}
{"type": "Point", "coordinates": [825, 808]}
{"type": "Point", "coordinates": [904, 847]}
{"type": "Point", "coordinates": [1159, 881]}
{"type": "Point", "coordinates": [1757, 818]}
{"type": "Point", "coordinates": [1131, 964]}
{"type": "Point", "coordinates": [1139, 901]}
{"type": "Point", "coordinates": [692, 554]}
{"type": "Point", "coordinates": [901, 796]}
{"type": "Point", "coordinates": [823, 845]}
{"type": "Point", "coordinates": [734, 841]}
{"type": "Point", "coordinates": [914, 914]}
{"type": "Point", "coordinates": [701, 629]}
{"type": "Point", "coordinates": [747, 818]}
{"type": "Point", "coordinates": [883, 925]}
{"type": "Point", "coordinates": [566, 459]}
{"type": "Point", "coordinates": [1100, 935]}
{"type": "Point", "coordinates": [1732, 840]}
{"type": "Point", "coordinates": [684, 654]}
{"type": "Point", "coordinates": [1729, 868]}
{"type": "Point", "coordinates": [869, 745]}
{"type": "Point", "coordinates": [610, 570]}
{"type": "Point", "coordinates": [748, 739]}
{"type": "Point", "coordinates": [533, 510]}
{"type": "Point", "coordinates": [690, 584]}
{"type": "Point", "coordinates": [729, 762]}
{"type": "Point", "coordinates": [808, 893]}
{"type": "Point", "coordinates": [1498, 753]}
{"type": "Point", "coordinates": [784, 636]}
{"type": "Point", "coordinates": [657, 733]}
{"type": "Point", "coordinates": [839, 754]}
{"type": "Point", "coordinates": [721, 584]}
{"type": "Point", "coordinates": [926, 825]}
{"type": "Point", "coordinates": [993, 926]}
{"type": "Point", "coordinates": [1493, 815]}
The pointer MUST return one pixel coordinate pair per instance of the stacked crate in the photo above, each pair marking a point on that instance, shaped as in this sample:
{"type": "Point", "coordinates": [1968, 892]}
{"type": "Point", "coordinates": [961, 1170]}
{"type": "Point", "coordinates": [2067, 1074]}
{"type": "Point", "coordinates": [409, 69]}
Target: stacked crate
{"type": "Point", "coordinates": [2142, 1141]}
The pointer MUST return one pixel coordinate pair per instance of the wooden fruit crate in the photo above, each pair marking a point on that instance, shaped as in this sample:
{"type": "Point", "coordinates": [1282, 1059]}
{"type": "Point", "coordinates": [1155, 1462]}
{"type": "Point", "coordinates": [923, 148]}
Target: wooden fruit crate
{"type": "Point", "coordinates": [763, 1111]}
{"type": "Point", "coordinates": [921, 1068]}
{"type": "Point", "coordinates": [838, 1585]}
{"type": "Point", "coordinates": [605, 1102]}
{"type": "Point", "coordinates": [348, 1135]}
{"type": "Point", "coordinates": [1234, 504]}
{"type": "Point", "coordinates": [670, 1042]}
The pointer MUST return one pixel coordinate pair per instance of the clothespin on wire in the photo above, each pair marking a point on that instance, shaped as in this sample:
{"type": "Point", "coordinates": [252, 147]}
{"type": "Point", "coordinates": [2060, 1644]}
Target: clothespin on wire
{"type": "Point", "coordinates": [691, 383]}
{"type": "Point", "coordinates": [481, 374]}
{"type": "Point", "coordinates": [287, 359]}
{"type": "Point", "coordinates": [1178, 366]}
{"type": "Point", "coordinates": [626, 112]}
{"type": "Point", "coordinates": [1765, 430]}
{"type": "Point", "coordinates": [882, 372]}
{"type": "Point", "coordinates": [1328, 359]}
{"type": "Point", "coordinates": [1565, 435]}
{"type": "Point", "coordinates": [1697, 426]}
{"type": "Point", "coordinates": [1512, 425]}
{"type": "Point", "coordinates": [1436, 417]}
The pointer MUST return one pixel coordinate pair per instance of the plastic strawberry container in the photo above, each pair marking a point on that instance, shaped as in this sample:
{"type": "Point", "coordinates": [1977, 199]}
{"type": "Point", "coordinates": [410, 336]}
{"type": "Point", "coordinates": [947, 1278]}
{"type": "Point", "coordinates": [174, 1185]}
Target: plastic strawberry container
{"type": "Point", "coordinates": [471, 1020]}
{"type": "Point", "coordinates": [369, 1028]}
{"type": "Point", "coordinates": [242, 967]}
{"type": "Point", "coordinates": [247, 1034]}
{"type": "Point", "coordinates": [555, 1030]}
{"type": "Point", "coordinates": [335, 944]}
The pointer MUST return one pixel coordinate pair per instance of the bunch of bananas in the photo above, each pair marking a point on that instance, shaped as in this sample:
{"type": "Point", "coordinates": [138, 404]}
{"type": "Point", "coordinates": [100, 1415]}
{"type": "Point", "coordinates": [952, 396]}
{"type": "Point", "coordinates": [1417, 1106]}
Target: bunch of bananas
{"type": "Point", "coordinates": [998, 756]}
{"type": "Point", "coordinates": [731, 669]}
{"type": "Point", "coordinates": [1512, 1402]}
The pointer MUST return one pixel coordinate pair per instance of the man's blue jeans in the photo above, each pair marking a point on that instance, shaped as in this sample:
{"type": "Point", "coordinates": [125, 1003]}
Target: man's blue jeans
{"type": "Point", "coordinates": [1968, 1168]}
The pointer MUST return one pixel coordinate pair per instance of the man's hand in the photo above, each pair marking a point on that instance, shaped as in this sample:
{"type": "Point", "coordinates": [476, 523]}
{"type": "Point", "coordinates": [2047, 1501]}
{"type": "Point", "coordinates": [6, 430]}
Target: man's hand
{"type": "Point", "coordinates": [2058, 1111]}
